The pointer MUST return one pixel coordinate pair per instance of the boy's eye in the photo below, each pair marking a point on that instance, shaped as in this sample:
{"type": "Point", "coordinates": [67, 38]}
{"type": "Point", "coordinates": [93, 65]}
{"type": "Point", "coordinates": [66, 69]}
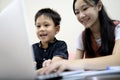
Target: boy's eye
{"type": "Point", "coordinates": [38, 26]}
{"type": "Point", "coordinates": [46, 25]}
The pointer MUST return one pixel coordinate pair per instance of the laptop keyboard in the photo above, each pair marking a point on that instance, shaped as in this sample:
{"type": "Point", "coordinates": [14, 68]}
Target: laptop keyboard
{"type": "Point", "coordinates": [58, 76]}
{"type": "Point", "coordinates": [52, 76]}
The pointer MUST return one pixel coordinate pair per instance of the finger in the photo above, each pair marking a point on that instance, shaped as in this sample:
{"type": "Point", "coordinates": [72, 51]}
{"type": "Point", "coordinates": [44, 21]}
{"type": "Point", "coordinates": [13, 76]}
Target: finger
{"type": "Point", "coordinates": [61, 69]}
{"type": "Point", "coordinates": [43, 70]}
{"type": "Point", "coordinates": [46, 63]}
{"type": "Point", "coordinates": [52, 68]}
{"type": "Point", "coordinates": [34, 63]}
{"type": "Point", "coordinates": [39, 71]}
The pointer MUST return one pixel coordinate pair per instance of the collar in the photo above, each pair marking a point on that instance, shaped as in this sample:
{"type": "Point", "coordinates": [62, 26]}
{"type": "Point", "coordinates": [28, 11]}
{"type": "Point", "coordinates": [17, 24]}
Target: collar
{"type": "Point", "coordinates": [49, 44]}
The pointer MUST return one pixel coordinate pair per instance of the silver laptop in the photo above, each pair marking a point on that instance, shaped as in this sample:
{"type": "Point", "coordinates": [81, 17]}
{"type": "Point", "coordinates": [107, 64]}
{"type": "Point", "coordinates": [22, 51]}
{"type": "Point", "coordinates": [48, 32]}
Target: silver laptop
{"type": "Point", "coordinates": [16, 56]}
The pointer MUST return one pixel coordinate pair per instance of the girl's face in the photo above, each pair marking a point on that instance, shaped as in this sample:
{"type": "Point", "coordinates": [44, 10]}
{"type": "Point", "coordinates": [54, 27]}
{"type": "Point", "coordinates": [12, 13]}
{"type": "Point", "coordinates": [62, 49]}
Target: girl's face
{"type": "Point", "coordinates": [87, 14]}
{"type": "Point", "coordinates": [46, 29]}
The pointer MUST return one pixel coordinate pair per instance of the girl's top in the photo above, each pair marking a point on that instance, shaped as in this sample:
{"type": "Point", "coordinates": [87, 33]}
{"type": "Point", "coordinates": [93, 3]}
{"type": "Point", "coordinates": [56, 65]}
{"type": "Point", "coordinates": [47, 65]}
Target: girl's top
{"type": "Point", "coordinates": [79, 42]}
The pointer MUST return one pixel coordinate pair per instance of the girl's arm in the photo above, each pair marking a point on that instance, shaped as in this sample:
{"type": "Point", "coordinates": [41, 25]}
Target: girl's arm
{"type": "Point", "coordinates": [49, 61]}
{"type": "Point", "coordinates": [90, 64]}
{"type": "Point", "coordinates": [102, 62]}
{"type": "Point", "coordinates": [79, 54]}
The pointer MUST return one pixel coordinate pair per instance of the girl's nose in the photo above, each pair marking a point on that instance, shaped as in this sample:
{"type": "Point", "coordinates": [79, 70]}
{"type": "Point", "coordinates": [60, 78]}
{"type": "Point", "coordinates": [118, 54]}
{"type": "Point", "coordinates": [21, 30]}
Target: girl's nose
{"type": "Point", "coordinates": [81, 15]}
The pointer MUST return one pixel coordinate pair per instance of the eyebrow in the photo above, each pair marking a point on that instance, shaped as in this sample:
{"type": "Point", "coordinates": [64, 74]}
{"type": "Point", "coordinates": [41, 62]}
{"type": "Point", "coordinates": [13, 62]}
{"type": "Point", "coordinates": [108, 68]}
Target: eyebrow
{"type": "Point", "coordinates": [81, 6]}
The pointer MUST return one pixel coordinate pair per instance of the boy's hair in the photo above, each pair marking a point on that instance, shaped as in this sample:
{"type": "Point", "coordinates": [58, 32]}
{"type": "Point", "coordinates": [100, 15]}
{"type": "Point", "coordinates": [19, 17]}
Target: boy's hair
{"type": "Point", "coordinates": [49, 13]}
{"type": "Point", "coordinates": [106, 32]}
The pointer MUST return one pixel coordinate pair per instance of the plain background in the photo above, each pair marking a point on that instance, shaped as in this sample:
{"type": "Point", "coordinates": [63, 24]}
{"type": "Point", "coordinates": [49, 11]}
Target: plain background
{"type": "Point", "coordinates": [70, 27]}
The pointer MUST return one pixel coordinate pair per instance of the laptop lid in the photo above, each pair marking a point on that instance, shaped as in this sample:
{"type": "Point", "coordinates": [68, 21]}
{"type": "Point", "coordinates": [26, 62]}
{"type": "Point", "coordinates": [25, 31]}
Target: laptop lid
{"type": "Point", "coordinates": [16, 57]}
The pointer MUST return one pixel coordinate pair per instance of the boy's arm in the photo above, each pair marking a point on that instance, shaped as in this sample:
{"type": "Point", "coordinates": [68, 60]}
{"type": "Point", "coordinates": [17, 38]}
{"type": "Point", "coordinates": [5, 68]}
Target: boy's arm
{"type": "Point", "coordinates": [48, 62]}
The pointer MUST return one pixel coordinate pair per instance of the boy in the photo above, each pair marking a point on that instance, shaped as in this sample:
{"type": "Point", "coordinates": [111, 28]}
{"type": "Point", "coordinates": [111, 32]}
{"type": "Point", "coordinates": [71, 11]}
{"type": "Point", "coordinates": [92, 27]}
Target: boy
{"type": "Point", "coordinates": [49, 49]}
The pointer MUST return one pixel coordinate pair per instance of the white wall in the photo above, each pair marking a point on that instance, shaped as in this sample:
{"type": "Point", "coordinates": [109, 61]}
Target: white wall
{"type": "Point", "coordinates": [4, 3]}
{"type": "Point", "coordinates": [113, 8]}
{"type": "Point", "coordinates": [70, 27]}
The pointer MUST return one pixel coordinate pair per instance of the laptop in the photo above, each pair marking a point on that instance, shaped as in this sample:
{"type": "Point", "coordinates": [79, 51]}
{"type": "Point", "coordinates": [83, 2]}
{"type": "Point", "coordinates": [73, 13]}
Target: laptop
{"type": "Point", "coordinates": [16, 55]}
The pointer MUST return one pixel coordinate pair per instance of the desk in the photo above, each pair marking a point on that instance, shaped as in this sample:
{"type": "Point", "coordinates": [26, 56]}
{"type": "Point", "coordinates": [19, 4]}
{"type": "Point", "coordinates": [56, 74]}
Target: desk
{"type": "Point", "coordinates": [84, 75]}
{"type": "Point", "coordinates": [94, 75]}
{"type": "Point", "coordinates": [104, 77]}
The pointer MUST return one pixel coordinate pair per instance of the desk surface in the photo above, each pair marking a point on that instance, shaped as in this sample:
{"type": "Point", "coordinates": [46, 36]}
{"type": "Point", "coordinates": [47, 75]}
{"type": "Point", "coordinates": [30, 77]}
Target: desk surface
{"type": "Point", "coordinates": [84, 75]}
{"type": "Point", "coordinates": [104, 77]}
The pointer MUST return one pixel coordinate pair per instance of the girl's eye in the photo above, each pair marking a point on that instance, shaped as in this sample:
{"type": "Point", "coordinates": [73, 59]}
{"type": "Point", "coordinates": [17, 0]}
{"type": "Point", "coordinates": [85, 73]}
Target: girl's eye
{"type": "Point", "coordinates": [76, 13]}
{"type": "Point", "coordinates": [85, 8]}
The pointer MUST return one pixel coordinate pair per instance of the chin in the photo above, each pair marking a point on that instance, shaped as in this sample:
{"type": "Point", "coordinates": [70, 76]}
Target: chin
{"type": "Point", "coordinates": [86, 26]}
{"type": "Point", "coordinates": [43, 40]}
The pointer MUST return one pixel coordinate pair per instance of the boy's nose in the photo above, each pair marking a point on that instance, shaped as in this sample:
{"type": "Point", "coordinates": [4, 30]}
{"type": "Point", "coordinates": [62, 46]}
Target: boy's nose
{"type": "Point", "coordinates": [42, 28]}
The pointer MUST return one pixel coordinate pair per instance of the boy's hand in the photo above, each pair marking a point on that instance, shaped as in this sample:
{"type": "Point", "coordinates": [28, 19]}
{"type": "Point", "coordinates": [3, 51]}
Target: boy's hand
{"type": "Point", "coordinates": [47, 63]}
{"type": "Point", "coordinates": [35, 63]}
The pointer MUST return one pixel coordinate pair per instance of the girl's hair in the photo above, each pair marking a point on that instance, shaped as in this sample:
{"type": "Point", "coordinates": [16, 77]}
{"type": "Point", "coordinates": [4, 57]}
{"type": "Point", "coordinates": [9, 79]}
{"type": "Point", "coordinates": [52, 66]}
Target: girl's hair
{"type": "Point", "coordinates": [49, 13]}
{"type": "Point", "coordinates": [106, 31]}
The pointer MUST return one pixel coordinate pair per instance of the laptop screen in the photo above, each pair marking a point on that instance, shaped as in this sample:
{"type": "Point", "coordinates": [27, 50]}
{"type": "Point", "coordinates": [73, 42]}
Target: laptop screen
{"type": "Point", "coordinates": [16, 56]}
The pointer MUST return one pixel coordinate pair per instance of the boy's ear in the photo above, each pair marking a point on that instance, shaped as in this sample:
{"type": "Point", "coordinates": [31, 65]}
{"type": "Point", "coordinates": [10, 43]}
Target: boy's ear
{"type": "Point", "coordinates": [57, 28]}
{"type": "Point", "coordinates": [99, 5]}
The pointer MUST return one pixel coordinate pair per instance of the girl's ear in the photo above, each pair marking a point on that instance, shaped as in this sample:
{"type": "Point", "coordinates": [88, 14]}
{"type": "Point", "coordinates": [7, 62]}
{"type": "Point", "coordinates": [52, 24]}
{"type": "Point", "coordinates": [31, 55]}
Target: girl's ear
{"type": "Point", "coordinates": [99, 5]}
{"type": "Point", "coordinates": [57, 28]}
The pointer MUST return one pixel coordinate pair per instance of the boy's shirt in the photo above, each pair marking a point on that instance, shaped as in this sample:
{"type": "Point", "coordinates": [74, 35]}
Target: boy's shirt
{"type": "Point", "coordinates": [56, 48]}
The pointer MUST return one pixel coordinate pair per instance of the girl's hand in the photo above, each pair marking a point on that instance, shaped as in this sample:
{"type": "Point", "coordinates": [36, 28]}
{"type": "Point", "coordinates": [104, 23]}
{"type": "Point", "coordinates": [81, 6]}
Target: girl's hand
{"type": "Point", "coordinates": [61, 66]}
{"type": "Point", "coordinates": [47, 63]}
{"type": "Point", "coordinates": [54, 67]}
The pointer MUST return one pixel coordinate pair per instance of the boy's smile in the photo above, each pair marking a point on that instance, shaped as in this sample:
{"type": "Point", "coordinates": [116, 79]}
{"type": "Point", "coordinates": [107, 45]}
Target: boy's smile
{"type": "Point", "coordinates": [43, 35]}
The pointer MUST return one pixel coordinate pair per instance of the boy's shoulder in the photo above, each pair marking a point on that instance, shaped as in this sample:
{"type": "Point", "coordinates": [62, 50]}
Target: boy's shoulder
{"type": "Point", "coordinates": [60, 41]}
{"type": "Point", "coordinates": [35, 44]}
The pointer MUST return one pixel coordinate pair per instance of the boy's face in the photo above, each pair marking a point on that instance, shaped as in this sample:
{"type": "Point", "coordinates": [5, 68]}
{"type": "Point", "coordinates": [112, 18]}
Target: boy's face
{"type": "Point", "coordinates": [46, 29]}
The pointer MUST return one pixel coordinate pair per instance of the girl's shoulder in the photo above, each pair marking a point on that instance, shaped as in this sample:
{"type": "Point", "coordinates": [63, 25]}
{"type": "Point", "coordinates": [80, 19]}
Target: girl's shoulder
{"type": "Point", "coordinates": [116, 22]}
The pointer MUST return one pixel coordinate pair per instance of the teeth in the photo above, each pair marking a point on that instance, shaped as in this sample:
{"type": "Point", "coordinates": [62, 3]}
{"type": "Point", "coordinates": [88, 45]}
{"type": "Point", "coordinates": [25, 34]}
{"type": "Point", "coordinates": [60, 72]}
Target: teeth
{"type": "Point", "coordinates": [85, 20]}
{"type": "Point", "coordinates": [43, 35]}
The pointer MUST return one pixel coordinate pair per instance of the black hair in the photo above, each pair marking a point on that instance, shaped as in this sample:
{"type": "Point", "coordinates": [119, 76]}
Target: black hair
{"type": "Point", "coordinates": [106, 32]}
{"type": "Point", "coordinates": [49, 13]}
